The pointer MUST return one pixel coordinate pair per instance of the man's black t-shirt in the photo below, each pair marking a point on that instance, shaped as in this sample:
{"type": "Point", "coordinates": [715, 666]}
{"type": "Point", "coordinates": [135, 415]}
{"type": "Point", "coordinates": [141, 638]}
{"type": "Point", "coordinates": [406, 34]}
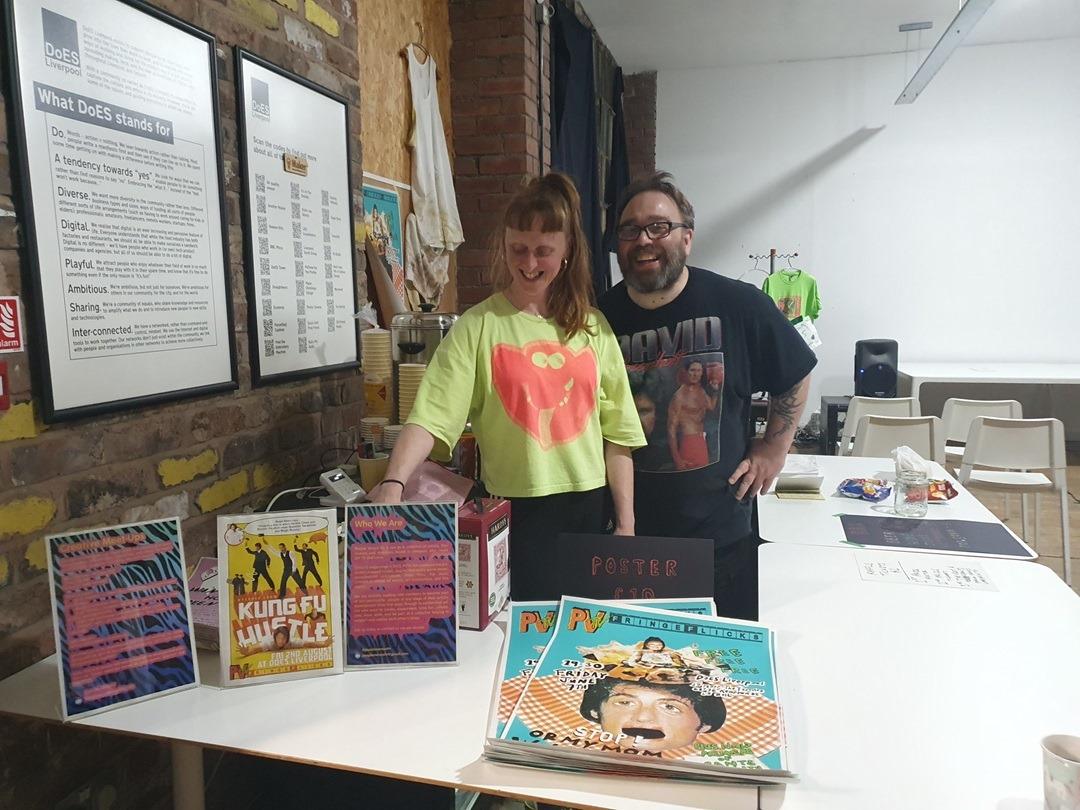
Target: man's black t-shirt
{"type": "Point", "coordinates": [693, 365]}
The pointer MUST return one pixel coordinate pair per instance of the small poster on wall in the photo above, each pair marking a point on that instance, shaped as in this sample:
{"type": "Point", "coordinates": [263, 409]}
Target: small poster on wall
{"type": "Point", "coordinates": [382, 221]}
{"type": "Point", "coordinates": [116, 124]}
{"type": "Point", "coordinates": [121, 615]}
{"type": "Point", "coordinates": [298, 211]}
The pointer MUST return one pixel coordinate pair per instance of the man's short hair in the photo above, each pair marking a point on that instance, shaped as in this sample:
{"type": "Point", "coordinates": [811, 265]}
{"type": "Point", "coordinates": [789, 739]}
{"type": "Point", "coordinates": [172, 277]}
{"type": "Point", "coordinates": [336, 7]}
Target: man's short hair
{"type": "Point", "coordinates": [710, 708]}
{"type": "Point", "coordinates": [663, 182]}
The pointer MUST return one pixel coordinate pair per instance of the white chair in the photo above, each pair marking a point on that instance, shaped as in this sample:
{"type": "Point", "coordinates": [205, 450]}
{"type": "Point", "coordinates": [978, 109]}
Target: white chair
{"type": "Point", "coordinates": [873, 406]}
{"type": "Point", "coordinates": [958, 413]}
{"type": "Point", "coordinates": [878, 436]}
{"type": "Point", "coordinates": [1011, 448]}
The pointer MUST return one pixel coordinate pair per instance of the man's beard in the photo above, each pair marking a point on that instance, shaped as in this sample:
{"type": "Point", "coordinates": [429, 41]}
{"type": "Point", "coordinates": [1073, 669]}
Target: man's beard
{"type": "Point", "coordinates": [672, 262]}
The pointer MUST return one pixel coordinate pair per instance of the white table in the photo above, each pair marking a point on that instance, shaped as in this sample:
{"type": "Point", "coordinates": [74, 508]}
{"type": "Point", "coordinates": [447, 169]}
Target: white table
{"type": "Point", "coordinates": [913, 697]}
{"type": "Point", "coordinates": [1023, 373]}
{"type": "Point", "coordinates": [817, 523]}
{"type": "Point", "coordinates": [392, 722]}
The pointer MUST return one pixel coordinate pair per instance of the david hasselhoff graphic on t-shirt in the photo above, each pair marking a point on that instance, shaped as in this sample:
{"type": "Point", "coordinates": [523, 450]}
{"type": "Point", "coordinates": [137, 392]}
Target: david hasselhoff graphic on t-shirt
{"type": "Point", "coordinates": [678, 384]}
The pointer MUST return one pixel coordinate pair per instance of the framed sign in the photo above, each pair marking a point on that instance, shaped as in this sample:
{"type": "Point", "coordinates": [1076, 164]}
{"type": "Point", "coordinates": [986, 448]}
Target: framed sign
{"type": "Point", "coordinates": [121, 184]}
{"type": "Point", "coordinates": [298, 252]}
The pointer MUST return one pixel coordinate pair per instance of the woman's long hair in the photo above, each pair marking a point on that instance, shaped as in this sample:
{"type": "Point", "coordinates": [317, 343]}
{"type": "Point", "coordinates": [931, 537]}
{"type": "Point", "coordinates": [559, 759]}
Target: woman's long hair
{"type": "Point", "coordinates": [553, 203]}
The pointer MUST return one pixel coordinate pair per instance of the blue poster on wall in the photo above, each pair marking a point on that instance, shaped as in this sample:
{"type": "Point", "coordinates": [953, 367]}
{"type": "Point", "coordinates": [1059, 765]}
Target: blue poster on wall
{"type": "Point", "coordinates": [382, 221]}
{"type": "Point", "coordinates": [121, 614]}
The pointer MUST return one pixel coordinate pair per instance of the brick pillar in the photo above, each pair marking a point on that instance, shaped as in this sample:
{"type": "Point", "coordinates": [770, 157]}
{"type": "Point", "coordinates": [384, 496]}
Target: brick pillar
{"type": "Point", "coordinates": [494, 73]}
{"type": "Point", "coordinates": [639, 107]}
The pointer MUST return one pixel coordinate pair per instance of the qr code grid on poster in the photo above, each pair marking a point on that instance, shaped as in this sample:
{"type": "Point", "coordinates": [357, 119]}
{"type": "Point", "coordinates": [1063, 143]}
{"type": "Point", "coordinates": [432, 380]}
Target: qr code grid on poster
{"type": "Point", "coordinates": [260, 183]}
{"type": "Point", "coordinates": [268, 347]}
{"type": "Point", "coordinates": [260, 204]}
{"type": "Point", "coordinates": [301, 306]}
{"type": "Point", "coordinates": [325, 197]}
{"type": "Point", "coordinates": [262, 224]}
{"type": "Point", "coordinates": [294, 191]}
{"type": "Point", "coordinates": [298, 250]}
{"type": "Point", "coordinates": [299, 288]}
{"type": "Point", "coordinates": [327, 253]}
{"type": "Point", "coordinates": [264, 245]}
{"type": "Point", "coordinates": [266, 287]}
{"type": "Point", "coordinates": [296, 232]}
{"type": "Point", "coordinates": [301, 345]}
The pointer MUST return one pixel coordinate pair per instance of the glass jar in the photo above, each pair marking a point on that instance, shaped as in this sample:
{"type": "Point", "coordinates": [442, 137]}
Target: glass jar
{"type": "Point", "coordinates": [912, 489]}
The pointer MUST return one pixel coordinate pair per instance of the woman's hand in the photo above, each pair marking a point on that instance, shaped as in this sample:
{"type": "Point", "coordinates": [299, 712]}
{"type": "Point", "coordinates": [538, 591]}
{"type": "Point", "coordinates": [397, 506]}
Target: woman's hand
{"type": "Point", "coordinates": [386, 492]}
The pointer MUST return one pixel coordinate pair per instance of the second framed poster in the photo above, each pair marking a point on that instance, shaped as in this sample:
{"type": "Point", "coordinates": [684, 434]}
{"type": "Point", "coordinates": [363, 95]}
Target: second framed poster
{"type": "Point", "coordinates": [298, 249]}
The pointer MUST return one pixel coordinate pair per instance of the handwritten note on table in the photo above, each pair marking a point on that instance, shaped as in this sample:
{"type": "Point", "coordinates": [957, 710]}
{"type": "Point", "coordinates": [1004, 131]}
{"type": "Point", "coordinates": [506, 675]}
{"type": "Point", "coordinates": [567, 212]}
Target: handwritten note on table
{"type": "Point", "coordinates": [878, 567]}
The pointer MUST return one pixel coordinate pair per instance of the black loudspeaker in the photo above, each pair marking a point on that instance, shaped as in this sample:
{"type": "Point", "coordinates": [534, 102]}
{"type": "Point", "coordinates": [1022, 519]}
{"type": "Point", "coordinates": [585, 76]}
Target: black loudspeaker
{"type": "Point", "coordinates": [875, 368]}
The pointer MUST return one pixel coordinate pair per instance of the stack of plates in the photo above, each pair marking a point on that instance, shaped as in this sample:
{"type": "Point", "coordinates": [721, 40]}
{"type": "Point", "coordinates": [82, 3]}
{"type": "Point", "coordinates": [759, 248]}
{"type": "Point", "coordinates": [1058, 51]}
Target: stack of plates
{"type": "Point", "coordinates": [371, 429]}
{"type": "Point", "coordinates": [409, 376]}
{"type": "Point", "coordinates": [390, 436]}
{"type": "Point", "coordinates": [375, 353]}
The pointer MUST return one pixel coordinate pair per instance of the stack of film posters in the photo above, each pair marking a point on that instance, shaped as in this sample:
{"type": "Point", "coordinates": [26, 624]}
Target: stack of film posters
{"type": "Point", "coordinates": [638, 689]}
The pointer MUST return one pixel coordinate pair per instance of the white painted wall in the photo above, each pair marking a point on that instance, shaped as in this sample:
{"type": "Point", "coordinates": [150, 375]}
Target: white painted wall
{"type": "Point", "coordinates": [951, 225]}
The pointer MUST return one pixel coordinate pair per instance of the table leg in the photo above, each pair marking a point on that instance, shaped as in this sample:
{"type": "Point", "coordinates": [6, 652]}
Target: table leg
{"type": "Point", "coordinates": [187, 776]}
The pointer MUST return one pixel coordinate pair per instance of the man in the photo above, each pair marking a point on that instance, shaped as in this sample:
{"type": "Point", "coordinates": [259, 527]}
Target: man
{"type": "Point", "coordinates": [668, 317]}
{"type": "Point", "coordinates": [652, 716]}
{"type": "Point", "coordinates": [288, 571]}
{"type": "Point", "coordinates": [261, 567]}
{"type": "Point", "coordinates": [310, 559]}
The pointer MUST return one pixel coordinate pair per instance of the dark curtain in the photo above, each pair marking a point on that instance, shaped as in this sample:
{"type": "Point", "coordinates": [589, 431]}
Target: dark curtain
{"type": "Point", "coordinates": [619, 171]}
{"type": "Point", "coordinates": [573, 105]}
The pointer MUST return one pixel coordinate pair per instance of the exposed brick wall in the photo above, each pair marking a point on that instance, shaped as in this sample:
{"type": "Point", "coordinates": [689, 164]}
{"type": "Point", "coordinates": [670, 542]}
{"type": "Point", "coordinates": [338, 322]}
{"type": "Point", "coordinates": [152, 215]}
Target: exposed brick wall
{"type": "Point", "coordinates": [192, 458]}
{"type": "Point", "coordinates": [639, 106]}
{"type": "Point", "coordinates": [494, 69]}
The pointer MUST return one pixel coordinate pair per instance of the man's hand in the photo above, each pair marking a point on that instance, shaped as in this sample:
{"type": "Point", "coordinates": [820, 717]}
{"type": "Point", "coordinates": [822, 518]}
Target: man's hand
{"type": "Point", "coordinates": [757, 471]}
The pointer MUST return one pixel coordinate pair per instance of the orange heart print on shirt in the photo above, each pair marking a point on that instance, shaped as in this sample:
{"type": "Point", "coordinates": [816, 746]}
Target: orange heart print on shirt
{"type": "Point", "coordinates": [547, 389]}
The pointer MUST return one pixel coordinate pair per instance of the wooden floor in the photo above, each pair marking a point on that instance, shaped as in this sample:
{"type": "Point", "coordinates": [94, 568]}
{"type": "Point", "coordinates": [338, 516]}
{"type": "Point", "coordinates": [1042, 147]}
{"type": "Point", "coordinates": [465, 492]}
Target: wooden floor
{"type": "Point", "coordinates": [1048, 543]}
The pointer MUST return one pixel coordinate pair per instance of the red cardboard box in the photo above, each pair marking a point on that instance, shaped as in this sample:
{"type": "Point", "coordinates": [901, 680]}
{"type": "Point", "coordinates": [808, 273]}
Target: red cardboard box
{"type": "Point", "coordinates": [483, 562]}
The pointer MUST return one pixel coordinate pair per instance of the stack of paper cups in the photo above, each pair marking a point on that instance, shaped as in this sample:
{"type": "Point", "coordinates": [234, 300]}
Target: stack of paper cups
{"type": "Point", "coordinates": [378, 372]}
{"type": "Point", "coordinates": [390, 436]}
{"type": "Point", "coordinates": [409, 376]}
{"type": "Point", "coordinates": [371, 429]}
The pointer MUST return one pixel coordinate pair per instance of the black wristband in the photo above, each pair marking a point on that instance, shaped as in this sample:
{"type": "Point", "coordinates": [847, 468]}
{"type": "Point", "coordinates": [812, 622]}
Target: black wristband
{"type": "Point", "coordinates": [393, 481]}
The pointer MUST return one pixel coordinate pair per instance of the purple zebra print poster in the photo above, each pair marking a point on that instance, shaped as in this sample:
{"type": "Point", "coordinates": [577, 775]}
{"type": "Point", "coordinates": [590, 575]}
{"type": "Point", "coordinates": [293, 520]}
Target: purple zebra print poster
{"type": "Point", "coordinates": [121, 615]}
{"type": "Point", "coordinates": [401, 585]}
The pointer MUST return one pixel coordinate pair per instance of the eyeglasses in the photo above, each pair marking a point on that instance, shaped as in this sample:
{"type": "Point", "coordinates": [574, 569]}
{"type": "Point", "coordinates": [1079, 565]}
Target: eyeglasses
{"type": "Point", "coordinates": [655, 230]}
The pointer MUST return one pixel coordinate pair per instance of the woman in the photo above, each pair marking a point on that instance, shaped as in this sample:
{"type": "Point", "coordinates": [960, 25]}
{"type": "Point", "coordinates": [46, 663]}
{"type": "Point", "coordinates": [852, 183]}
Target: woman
{"type": "Point", "coordinates": [538, 372]}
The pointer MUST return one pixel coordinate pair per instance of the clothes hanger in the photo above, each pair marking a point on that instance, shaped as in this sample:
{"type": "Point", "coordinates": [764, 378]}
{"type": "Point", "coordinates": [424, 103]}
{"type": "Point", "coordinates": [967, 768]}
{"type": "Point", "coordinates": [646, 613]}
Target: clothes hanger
{"type": "Point", "coordinates": [418, 43]}
{"type": "Point", "coordinates": [754, 269]}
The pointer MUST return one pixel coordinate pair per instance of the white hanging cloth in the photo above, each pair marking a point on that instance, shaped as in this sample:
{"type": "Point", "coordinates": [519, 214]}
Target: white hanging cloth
{"type": "Point", "coordinates": [428, 270]}
{"type": "Point", "coordinates": [433, 197]}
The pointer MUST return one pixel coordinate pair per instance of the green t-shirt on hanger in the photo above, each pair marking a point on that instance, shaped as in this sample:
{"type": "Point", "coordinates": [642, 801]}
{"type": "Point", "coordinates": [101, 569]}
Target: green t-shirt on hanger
{"type": "Point", "coordinates": [795, 293]}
